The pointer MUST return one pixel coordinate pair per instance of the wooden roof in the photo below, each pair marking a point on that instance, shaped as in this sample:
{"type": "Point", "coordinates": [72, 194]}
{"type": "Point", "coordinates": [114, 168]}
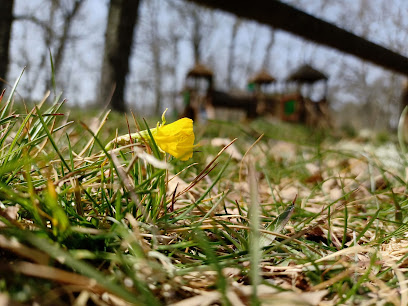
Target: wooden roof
{"type": "Point", "coordinates": [262, 77]}
{"type": "Point", "coordinates": [307, 74]}
{"type": "Point", "coordinates": [199, 70]}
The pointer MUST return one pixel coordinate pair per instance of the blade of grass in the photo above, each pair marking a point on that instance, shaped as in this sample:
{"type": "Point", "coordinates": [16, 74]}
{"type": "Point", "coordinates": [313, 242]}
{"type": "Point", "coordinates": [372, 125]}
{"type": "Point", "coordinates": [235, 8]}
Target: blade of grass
{"type": "Point", "coordinates": [278, 224]}
{"type": "Point", "coordinates": [10, 98]}
{"type": "Point", "coordinates": [54, 87]}
{"type": "Point", "coordinates": [254, 236]}
{"type": "Point", "coordinates": [18, 134]}
{"type": "Point", "coordinates": [401, 132]}
{"type": "Point", "coordinates": [213, 208]}
{"type": "Point", "coordinates": [51, 139]}
{"type": "Point", "coordinates": [367, 227]}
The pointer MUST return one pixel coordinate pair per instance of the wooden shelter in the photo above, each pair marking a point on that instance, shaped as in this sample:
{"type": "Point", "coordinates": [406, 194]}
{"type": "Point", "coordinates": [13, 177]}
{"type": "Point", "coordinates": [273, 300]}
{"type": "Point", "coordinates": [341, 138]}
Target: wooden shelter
{"type": "Point", "coordinates": [198, 81]}
{"type": "Point", "coordinates": [300, 107]}
{"type": "Point", "coordinates": [306, 75]}
{"type": "Point", "coordinates": [199, 76]}
{"type": "Point", "coordinates": [257, 85]}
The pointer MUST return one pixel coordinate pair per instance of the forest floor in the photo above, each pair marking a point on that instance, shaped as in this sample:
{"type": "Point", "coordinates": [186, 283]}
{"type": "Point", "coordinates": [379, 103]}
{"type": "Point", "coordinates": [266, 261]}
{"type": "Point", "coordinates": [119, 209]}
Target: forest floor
{"type": "Point", "coordinates": [264, 213]}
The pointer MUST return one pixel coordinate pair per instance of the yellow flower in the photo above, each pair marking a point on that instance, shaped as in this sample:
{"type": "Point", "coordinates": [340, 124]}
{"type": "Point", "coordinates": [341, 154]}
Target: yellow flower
{"type": "Point", "coordinates": [176, 138]}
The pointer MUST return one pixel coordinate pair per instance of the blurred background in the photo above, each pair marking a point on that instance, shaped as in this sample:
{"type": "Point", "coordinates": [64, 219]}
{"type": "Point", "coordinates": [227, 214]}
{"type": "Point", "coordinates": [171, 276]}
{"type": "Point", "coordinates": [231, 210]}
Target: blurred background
{"type": "Point", "coordinates": [170, 36]}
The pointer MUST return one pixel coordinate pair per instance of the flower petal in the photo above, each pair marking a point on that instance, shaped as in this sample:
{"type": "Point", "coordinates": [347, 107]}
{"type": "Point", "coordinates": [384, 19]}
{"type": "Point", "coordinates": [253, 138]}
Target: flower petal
{"type": "Point", "coordinates": [176, 138]}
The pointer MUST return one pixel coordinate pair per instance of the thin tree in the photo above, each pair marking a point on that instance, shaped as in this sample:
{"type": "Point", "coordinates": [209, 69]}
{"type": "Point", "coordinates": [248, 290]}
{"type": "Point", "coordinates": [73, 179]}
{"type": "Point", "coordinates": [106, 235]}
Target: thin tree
{"type": "Point", "coordinates": [156, 47]}
{"type": "Point", "coordinates": [68, 18]}
{"type": "Point", "coordinates": [197, 35]}
{"type": "Point", "coordinates": [231, 57]}
{"type": "Point", "coordinates": [6, 19]}
{"type": "Point", "coordinates": [118, 45]}
{"type": "Point", "coordinates": [199, 24]}
{"type": "Point", "coordinates": [54, 38]}
{"type": "Point", "coordinates": [266, 63]}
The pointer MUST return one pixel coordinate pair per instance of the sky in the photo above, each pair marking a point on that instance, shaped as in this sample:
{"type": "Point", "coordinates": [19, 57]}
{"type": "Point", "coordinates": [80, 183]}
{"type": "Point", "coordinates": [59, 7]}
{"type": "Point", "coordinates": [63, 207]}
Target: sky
{"type": "Point", "coordinates": [83, 57]}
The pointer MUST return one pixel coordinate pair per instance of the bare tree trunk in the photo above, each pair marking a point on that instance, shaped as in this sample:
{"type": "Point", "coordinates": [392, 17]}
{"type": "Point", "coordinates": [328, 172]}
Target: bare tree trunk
{"type": "Point", "coordinates": [199, 25]}
{"type": "Point", "coordinates": [249, 68]}
{"type": "Point", "coordinates": [49, 37]}
{"type": "Point", "coordinates": [197, 37]}
{"type": "Point", "coordinates": [231, 50]}
{"type": "Point", "coordinates": [6, 19]}
{"type": "Point", "coordinates": [118, 44]}
{"type": "Point", "coordinates": [176, 54]}
{"type": "Point", "coordinates": [156, 44]}
{"type": "Point", "coordinates": [267, 59]}
{"type": "Point", "coordinates": [158, 75]}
